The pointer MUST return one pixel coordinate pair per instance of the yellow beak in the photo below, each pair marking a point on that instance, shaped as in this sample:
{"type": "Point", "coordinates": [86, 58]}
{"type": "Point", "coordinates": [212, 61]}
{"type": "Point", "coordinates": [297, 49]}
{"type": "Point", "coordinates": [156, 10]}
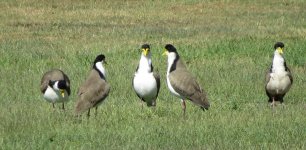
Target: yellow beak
{"type": "Point", "coordinates": [280, 50]}
{"type": "Point", "coordinates": [145, 51]}
{"type": "Point", "coordinates": [165, 53]}
{"type": "Point", "coordinates": [62, 93]}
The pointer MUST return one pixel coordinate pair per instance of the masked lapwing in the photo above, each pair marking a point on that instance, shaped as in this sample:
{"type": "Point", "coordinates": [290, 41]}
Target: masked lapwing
{"type": "Point", "coordinates": [95, 88]}
{"type": "Point", "coordinates": [55, 86]}
{"type": "Point", "coordinates": [180, 81]}
{"type": "Point", "coordinates": [278, 78]}
{"type": "Point", "coordinates": [146, 83]}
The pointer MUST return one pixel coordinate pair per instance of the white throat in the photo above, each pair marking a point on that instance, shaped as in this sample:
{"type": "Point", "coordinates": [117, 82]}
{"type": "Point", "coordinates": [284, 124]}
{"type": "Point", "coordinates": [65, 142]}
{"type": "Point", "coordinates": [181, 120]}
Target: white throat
{"type": "Point", "coordinates": [171, 58]}
{"type": "Point", "coordinates": [145, 63]}
{"type": "Point", "coordinates": [100, 67]}
{"type": "Point", "coordinates": [55, 86]}
{"type": "Point", "coordinates": [53, 95]}
{"type": "Point", "coordinates": [278, 63]}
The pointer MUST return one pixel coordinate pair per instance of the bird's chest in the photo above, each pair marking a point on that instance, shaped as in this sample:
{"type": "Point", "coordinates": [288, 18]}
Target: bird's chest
{"type": "Point", "coordinates": [54, 96]}
{"type": "Point", "coordinates": [171, 88]}
{"type": "Point", "coordinates": [145, 84]}
{"type": "Point", "coordinates": [279, 82]}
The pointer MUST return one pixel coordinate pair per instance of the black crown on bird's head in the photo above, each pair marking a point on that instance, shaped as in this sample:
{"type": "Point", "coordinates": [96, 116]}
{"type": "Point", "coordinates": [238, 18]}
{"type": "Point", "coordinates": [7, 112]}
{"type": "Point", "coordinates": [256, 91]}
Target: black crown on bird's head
{"type": "Point", "coordinates": [279, 44]}
{"type": "Point", "coordinates": [170, 48]}
{"type": "Point", "coordinates": [99, 58]}
{"type": "Point", "coordinates": [144, 46]}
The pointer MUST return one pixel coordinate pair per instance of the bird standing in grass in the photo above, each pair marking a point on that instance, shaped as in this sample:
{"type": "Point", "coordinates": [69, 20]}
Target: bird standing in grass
{"type": "Point", "coordinates": [94, 90]}
{"type": "Point", "coordinates": [146, 83]}
{"type": "Point", "coordinates": [180, 81]}
{"type": "Point", "coordinates": [279, 78]}
{"type": "Point", "coordinates": [55, 86]}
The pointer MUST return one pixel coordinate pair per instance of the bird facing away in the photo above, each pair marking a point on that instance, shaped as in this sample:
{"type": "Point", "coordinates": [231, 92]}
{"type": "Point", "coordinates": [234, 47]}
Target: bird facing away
{"type": "Point", "coordinates": [55, 85]}
{"type": "Point", "coordinates": [278, 78]}
{"type": "Point", "coordinates": [94, 90]}
{"type": "Point", "coordinates": [146, 83]}
{"type": "Point", "coordinates": [180, 81]}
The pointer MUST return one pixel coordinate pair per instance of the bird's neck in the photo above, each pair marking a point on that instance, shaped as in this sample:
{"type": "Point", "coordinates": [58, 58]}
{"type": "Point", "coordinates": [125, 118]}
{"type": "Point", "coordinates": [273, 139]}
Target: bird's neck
{"type": "Point", "coordinates": [99, 67]}
{"type": "Point", "coordinates": [145, 64]}
{"type": "Point", "coordinates": [278, 63]}
{"type": "Point", "coordinates": [55, 86]}
{"type": "Point", "coordinates": [173, 58]}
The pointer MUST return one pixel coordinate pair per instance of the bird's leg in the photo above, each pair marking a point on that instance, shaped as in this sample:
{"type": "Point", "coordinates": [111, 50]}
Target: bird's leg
{"type": "Point", "coordinates": [183, 106]}
{"type": "Point", "coordinates": [273, 103]}
{"type": "Point", "coordinates": [88, 113]}
{"type": "Point", "coordinates": [141, 103]}
{"type": "Point", "coordinates": [53, 106]}
{"type": "Point", "coordinates": [96, 112]}
{"type": "Point", "coordinates": [63, 106]}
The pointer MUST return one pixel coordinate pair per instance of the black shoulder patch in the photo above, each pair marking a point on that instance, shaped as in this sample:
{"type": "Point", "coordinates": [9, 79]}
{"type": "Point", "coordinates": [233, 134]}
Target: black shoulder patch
{"type": "Point", "coordinates": [152, 68]}
{"type": "Point", "coordinates": [173, 67]}
{"type": "Point", "coordinates": [137, 68]}
{"type": "Point", "coordinates": [286, 68]}
{"type": "Point", "coordinates": [51, 83]}
{"type": "Point", "coordinates": [270, 70]}
{"type": "Point", "coordinates": [100, 73]}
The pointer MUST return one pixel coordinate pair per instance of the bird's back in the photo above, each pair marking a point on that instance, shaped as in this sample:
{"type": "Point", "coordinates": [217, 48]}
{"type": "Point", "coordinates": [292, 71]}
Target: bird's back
{"type": "Point", "coordinates": [54, 75]}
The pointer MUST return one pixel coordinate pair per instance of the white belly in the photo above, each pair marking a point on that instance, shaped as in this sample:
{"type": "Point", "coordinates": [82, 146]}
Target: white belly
{"type": "Point", "coordinates": [171, 88]}
{"type": "Point", "coordinates": [279, 83]}
{"type": "Point", "coordinates": [145, 85]}
{"type": "Point", "coordinates": [53, 96]}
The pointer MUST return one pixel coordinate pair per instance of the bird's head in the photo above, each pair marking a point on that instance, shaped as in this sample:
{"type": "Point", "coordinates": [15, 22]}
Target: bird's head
{"type": "Point", "coordinates": [279, 47]}
{"type": "Point", "coordinates": [145, 48]}
{"type": "Point", "coordinates": [59, 85]}
{"type": "Point", "coordinates": [100, 59]}
{"type": "Point", "coordinates": [169, 49]}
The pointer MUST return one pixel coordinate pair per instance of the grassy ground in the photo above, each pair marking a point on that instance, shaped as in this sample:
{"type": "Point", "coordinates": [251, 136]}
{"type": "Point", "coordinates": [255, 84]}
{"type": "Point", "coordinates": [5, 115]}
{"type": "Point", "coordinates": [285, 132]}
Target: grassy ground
{"type": "Point", "coordinates": [226, 44]}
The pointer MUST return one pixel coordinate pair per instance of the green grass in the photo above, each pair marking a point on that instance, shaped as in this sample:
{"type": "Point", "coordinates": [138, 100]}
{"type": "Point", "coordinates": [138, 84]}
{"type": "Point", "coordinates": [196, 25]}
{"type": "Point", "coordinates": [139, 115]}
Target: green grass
{"type": "Point", "coordinates": [227, 45]}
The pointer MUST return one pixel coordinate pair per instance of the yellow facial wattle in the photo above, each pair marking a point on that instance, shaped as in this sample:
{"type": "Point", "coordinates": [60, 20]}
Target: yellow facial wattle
{"type": "Point", "coordinates": [165, 53]}
{"type": "Point", "coordinates": [145, 51]}
{"type": "Point", "coordinates": [280, 50]}
{"type": "Point", "coordinates": [62, 93]}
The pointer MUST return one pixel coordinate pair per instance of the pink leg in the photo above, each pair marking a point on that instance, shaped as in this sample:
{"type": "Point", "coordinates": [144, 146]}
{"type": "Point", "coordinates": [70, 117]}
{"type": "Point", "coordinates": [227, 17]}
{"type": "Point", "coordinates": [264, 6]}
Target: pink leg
{"type": "Point", "coordinates": [183, 106]}
{"type": "Point", "coordinates": [273, 103]}
{"type": "Point", "coordinates": [88, 114]}
{"type": "Point", "coordinates": [96, 112]}
{"type": "Point", "coordinates": [141, 103]}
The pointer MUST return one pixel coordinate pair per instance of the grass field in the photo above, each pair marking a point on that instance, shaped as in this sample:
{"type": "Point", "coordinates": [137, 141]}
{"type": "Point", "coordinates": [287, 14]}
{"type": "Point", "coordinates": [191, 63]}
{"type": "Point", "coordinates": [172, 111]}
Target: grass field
{"type": "Point", "coordinates": [226, 44]}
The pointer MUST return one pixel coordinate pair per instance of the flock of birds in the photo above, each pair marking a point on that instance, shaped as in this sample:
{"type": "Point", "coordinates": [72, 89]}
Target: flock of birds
{"type": "Point", "coordinates": [55, 84]}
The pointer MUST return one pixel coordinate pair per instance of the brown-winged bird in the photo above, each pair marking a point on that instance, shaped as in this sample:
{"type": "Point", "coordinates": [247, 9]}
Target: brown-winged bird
{"type": "Point", "coordinates": [55, 86]}
{"type": "Point", "coordinates": [95, 88]}
{"type": "Point", "coordinates": [180, 81]}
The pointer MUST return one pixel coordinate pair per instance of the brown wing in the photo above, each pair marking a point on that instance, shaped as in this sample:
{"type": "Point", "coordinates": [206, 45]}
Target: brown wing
{"type": "Point", "coordinates": [92, 92]}
{"type": "Point", "coordinates": [54, 74]}
{"type": "Point", "coordinates": [186, 85]}
{"type": "Point", "coordinates": [157, 78]}
{"type": "Point", "coordinates": [289, 74]}
{"type": "Point", "coordinates": [268, 76]}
